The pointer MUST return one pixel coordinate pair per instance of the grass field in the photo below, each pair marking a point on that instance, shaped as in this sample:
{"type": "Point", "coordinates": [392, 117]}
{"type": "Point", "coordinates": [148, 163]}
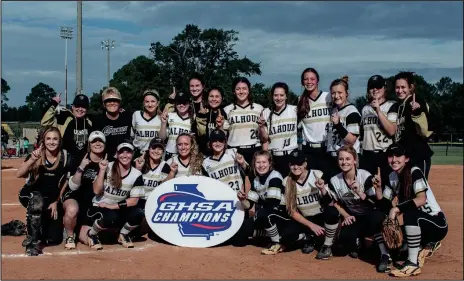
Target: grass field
{"type": "Point", "coordinates": [454, 155]}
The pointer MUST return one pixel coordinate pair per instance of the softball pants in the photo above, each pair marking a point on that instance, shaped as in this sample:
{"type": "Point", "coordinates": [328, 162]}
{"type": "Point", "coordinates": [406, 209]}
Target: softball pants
{"type": "Point", "coordinates": [371, 160]}
{"type": "Point", "coordinates": [104, 218]}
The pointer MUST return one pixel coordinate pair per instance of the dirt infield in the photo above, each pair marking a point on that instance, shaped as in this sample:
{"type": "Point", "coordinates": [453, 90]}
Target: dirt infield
{"type": "Point", "coordinates": [151, 260]}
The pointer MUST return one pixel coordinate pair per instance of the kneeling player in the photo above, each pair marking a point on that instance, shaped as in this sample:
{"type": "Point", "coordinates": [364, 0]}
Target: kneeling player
{"type": "Point", "coordinates": [306, 199]}
{"type": "Point", "coordinates": [266, 194]}
{"type": "Point", "coordinates": [424, 222]}
{"type": "Point", "coordinates": [117, 189]}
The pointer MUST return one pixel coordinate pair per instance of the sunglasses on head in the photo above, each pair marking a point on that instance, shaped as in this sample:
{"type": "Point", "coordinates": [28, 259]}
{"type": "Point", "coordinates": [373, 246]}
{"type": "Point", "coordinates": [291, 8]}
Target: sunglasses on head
{"type": "Point", "coordinates": [112, 100]}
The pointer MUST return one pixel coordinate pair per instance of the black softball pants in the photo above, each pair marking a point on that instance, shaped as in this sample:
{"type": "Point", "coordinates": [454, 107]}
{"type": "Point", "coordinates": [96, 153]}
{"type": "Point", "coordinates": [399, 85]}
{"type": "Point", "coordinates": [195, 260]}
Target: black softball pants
{"type": "Point", "coordinates": [371, 160]}
{"type": "Point", "coordinates": [108, 218]}
{"type": "Point", "coordinates": [40, 224]}
{"type": "Point", "coordinates": [281, 164]}
{"type": "Point", "coordinates": [365, 225]}
{"type": "Point", "coordinates": [317, 158]}
{"type": "Point", "coordinates": [433, 228]}
{"type": "Point", "coordinates": [292, 229]}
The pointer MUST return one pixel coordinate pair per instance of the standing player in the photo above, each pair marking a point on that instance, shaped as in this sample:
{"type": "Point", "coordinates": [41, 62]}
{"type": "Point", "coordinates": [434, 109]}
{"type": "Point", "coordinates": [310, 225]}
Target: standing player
{"type": "Point", "coordinates": [225, 165]}
{"type": "Point", "coordinates": [345, 123]}
{"type": "Point", "coordinates": [146, 123]}
{"type": "Point", "coordinates": [173, 124]}
{"type": "Point", "coordinates": [278, 127]}
{"type": "Point", "coordinates": [46, 170]}
{"type": "Point", "coordinates": [379, 127]}
{"type": "Point", "coordinates": [188, 161]}
{"type": "Point", "coordinates": [314, 107]}
{"type": "Point", "coordinates": [242, 120]}
{"type": "Point", "coordinates": [424, 221]}
{"type": "Point", "coordinates": [412, 124]}
{"type": "Point", "coordinates": [196, 90]}
{"type": "Point", "coordinates": [115, 125]}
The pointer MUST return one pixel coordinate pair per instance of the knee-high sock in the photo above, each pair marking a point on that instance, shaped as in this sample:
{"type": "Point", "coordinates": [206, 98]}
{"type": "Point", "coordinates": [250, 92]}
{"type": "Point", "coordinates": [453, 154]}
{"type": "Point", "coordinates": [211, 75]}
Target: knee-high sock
{"type": "Point", "coordinates": [379, 239]}
{"type": "Point", "coordinates": [413, 237]}
{"type": "Point", "coordinates": [273, 233]}
{"type": "Point", "coordinates": [330, 230]}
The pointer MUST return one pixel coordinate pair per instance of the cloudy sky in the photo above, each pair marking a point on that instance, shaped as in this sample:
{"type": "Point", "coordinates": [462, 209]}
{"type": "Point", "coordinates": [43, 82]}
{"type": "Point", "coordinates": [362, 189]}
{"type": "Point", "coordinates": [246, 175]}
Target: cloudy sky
{"type": "Point", "coordinates": [355, 38]}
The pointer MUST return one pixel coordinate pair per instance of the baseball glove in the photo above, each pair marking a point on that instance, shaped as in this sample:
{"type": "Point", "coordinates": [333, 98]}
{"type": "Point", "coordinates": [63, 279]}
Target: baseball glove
{"type": "Point", "coordinates": [13, 228]}
{"type": "Point", "coordinates": [392, 233]}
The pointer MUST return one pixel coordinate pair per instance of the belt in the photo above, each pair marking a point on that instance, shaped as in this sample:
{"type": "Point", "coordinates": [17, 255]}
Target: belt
{"type": "Point", "coordinates": [282, 153]}
{"type": "Point", "coordinates": [244, 146]}
{"type": "Point", "coordinates": [314, 145]}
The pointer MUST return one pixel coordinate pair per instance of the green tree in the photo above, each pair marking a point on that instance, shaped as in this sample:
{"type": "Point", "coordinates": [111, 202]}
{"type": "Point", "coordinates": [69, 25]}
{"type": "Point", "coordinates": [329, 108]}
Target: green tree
{"type": "Point", "coordinates": [24, 113]}
{"type": "Point", "coordinates": [40, 97]}
{"type": "Point", "coordinates": [5, 90]}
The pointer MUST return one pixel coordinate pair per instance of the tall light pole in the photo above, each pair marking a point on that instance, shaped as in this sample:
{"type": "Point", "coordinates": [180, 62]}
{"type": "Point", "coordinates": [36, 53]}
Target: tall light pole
{"type": "Point", "coordinates": [79, 87]}
{"type": "Point", "coordinates": [108, 45]}
{"type": "Point", "coordinates": [66, 33]}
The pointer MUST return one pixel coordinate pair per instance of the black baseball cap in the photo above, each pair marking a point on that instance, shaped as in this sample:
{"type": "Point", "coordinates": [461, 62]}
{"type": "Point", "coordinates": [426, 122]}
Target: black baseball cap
{"type": "Point", "coordinates": [396, 149]}
{"type": "Point", "coordinates": [81, 100]}
{"type": "Point", "coordinates": [376, 82]}
{"type": "Point", "coordinates": [182, 98]}
{"type": "Point", "coordinates": [297, 158]}
{"type": "Point", "coordinates": [156, 142]}
{"type": "Point", "coordinates": [217, 135]}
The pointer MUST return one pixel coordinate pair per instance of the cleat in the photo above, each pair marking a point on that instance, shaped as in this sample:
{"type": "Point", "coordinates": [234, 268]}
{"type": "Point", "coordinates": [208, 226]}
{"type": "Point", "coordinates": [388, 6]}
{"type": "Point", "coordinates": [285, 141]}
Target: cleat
{"type": "Point", "coordinates": [125, 240]}
{"type": "Point", "coordinates": [274, 249]}
{"type": "Point", "coordinates": [33, 249]}
{"type": "Point", "coordinates": [94, 242]}
{"type": "Point", "coordinates": [308, 247]}
{"type": "Point", "coordinates": [384, 264]}
{"type": "Point", "coordinates": [70, 242]}
{"type": "Point", "coordinates": [354, 254]}
{"type": "Point", "coordinates": [27, 241]}
{"type": "Point", "coordinates": [406, 270]}
{"type": "Point", "coordinates": [434, 246]}
{"type": "Point", "coordinates": [325, 253]}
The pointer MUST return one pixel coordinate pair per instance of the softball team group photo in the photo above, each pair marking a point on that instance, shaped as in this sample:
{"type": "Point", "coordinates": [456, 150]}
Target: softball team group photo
{"type": "Point", "coordinates": [315, 176]}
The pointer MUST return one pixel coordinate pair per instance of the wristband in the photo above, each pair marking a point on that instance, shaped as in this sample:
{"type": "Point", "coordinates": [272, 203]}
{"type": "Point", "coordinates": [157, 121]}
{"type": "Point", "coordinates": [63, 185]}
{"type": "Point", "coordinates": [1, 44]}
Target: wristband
{"type": "Point", "coordinates": [407, 206]}
{"type": "Point", "coordinates": [122, 204]}
{"type": "Point", "coordinates": [341, 130]}
{"type": "Point", "coordinates": [79, 169]}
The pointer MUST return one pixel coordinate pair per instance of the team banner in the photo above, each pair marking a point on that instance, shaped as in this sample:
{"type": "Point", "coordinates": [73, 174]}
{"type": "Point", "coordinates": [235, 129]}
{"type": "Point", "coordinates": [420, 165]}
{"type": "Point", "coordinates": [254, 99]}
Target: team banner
{"type": "Point", "coordinates": [194, 211]}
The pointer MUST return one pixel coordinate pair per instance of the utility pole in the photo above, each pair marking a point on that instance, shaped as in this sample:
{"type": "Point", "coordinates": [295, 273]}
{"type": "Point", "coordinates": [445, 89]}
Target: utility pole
{"type": "Point", "coordinates": [108, 45]}
{"type": "Point", "coordinates": [66, 33]}
{"type": "Point", "coordinates": [79, 87]}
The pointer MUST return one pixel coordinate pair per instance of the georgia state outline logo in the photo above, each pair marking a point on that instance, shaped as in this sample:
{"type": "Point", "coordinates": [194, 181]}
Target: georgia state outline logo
{"type": "Point", "coordinates": [195, 215]}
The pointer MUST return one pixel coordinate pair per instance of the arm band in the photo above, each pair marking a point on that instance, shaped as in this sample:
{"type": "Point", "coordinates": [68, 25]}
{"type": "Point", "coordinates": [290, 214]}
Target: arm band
{"type": "Point", "coordinates": [407, 206]}
{"type": "Point", "coordinates": [122, 204]}
{"type": "Point", "coordinates": [341, 130]}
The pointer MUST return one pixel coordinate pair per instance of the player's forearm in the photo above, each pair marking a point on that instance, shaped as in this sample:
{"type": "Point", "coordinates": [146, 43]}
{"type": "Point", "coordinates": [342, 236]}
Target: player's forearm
{"type": "Point", "coordinates": [299, 218]}
{"type": "Point", "coordinates": [387, 125]}
{"type": "Point", "coordinates": [341, 210]}
{"type": "Point", "coordinates": [163, 131]}
{"type": "Point", "coordinates": [98, 184]}
{"type": "Point", "coordinates": [24, 169]}
{"type": "Point", "coordinates": [264, 136]}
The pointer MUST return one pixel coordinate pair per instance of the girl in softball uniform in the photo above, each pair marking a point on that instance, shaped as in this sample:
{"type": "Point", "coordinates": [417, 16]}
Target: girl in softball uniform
{"type": "Point", "coordinates": [117, 189]}
{"type": "Point", "coordinates": [46, 169]}
{"type": "Point", "coordinates": [266, 193]}
{"type": "Point", "coordinates": [146, 123]}
{"type": "Point", "coordinates": [188, 161]}
{"type": "Point", "coordinates": [78, 195]}
{"type": "Point", "coordinates": [173, 124]}
{"type": "Point", "coordinates": [412, 123]}
{"type": "Point", "coordinates": [278, 128]}
{"type": "Point", "coordinates": [306, 202]}
{"type": "Point", "coordinates": [345, 123]}
{"type": "Point", "coordinates": [314, 107]}
{"type": "Point", "coordinates": [379, 127]}
{"type": "Point", "coordinates": [225, 165]}
{"type": "Point", "coordinates": [353, 193]}
{"type": "Point", "coordinates": [242, 120]}
{"type": "Point", "coordinates": [424, 221]}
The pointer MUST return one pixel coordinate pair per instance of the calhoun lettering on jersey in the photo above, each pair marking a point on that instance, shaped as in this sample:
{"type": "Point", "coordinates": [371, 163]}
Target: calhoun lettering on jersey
{"type": "Point", "coordinates": [370, 120]}
{"type": "Point", "coordinates": [109, 130]}
{"type": "Point", "coordinates": [282, 129]}
{"type": "Point", "coordinates": [177, 131]}
{"type": "Point", "coordinates": [150, 183]}
{"type": "Point", "coordinates": [301, 200]}
{"type": "Point", "coordinates": [147, 134]}
{"type": "Point", "coordinates": [116, 191]}
{"type": "Point", "coordinates": [243, 119]}
{"type": "Point", "coordinates": [318, 112]}
{"type": "Point", "coordinates": [224, 172]}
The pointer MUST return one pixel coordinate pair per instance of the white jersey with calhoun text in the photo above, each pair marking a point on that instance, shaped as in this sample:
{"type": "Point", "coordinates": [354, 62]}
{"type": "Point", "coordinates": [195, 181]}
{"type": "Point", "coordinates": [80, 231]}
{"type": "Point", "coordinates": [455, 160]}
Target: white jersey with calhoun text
{"type": "Point", "coordinates": [341, 192]}
{"type": "Point", "coordinates": [314, 125]}
{"type": "Point", "coordinates": [419, 184]}
{"type": "Point", "coordinates": [144, 130]}
{"type": "Point", "coordinates": [225, 169]}
{"type": "Point", "coordinates": [132, 186]}
{"type": "Point", "coordinates": [242, 123]}
{"type": "Point", "coordinates": [176, 125]}
{"type": "Point", "coordinates": [375, 137]}
{"type": "Point", "coordinates": [182, 170]}
{"type": "Point", "coordinates": [308, 195]}
{"type": "Point", "coordinates": [154, 177]}
{"type": "Point", "coordinates": [283, 133]}
{"type": "Point", "coordinates": [351, 120]}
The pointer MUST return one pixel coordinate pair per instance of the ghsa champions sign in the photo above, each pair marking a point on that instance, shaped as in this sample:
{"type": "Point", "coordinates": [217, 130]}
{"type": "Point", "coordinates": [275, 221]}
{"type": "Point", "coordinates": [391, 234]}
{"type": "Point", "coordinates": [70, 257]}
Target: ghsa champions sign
{"type": "Point", "coordinates": [194, 211]}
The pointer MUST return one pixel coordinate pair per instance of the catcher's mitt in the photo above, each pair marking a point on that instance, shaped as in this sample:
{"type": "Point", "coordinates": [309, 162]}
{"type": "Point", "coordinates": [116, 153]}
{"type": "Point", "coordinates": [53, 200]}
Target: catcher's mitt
{"type": "Point", "coordinates": [14, 228]}
{"type": "Point", "coordinates": [392, 233]}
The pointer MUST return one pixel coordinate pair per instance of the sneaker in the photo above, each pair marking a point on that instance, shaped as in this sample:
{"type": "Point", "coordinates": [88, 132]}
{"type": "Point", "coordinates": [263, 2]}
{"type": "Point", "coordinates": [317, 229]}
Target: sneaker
{"type": "Point", "coordinates": [94, 242]}
{"type": "Point", "coordinates": [274, 249]}
{"type": "Point", "coordinates": [406, 270]}
{"type": "Point", "coordinates": [125, 240]}
{"type": "Point", "coordinates": [70, 242]}
{"type": "Point", "coordinates": [33, 249]}
{"type": "Point", "coordinates": [325, 253]}
{"type": "Point", "coordinates": [384, 264]}
{"type": "Point", "coordinates": [354, 254]}
{"type": "Point", "coordinates": [433, 246]}
{"type": "Point", "coordinates": [27, 241]}
{"type": "Point", "coordinates": [308, 247]}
